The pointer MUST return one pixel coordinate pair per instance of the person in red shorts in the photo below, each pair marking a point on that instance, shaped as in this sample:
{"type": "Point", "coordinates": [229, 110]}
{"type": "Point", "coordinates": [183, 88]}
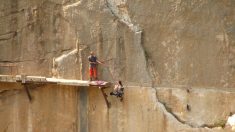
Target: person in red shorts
{"type": "Point", "coordinates": [93, 60]}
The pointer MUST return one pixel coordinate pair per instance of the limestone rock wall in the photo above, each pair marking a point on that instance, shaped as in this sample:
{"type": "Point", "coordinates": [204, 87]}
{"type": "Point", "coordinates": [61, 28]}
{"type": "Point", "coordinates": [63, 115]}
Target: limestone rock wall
{"type": "Point", "coordinates": [54, 109]}
{"type": "Point", "coordinates": [176, 58]}
{"type": "Point", "coordinates": [32, 33]}
{"type": "Point", "coordinates": [170, 42]}
{"type": "Point", "coordinates": [189, 42]}
{"type": "Point", "coordinates": [71, 109]}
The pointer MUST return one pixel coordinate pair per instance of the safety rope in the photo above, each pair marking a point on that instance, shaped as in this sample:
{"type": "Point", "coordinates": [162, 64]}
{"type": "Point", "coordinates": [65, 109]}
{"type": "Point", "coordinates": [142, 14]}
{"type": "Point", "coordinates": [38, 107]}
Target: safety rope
{"type": "Point", "coordinates": [108, 68]}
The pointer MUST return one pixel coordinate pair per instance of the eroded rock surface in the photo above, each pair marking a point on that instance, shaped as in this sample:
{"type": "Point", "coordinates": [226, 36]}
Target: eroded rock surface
{"type": "Point", "coordinates": [176, 58]}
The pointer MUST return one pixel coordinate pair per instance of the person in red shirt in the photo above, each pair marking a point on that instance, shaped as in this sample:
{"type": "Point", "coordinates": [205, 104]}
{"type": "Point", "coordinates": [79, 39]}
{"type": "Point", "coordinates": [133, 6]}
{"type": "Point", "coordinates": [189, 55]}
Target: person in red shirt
{"type": "Point", "coordinates": [93, 60]}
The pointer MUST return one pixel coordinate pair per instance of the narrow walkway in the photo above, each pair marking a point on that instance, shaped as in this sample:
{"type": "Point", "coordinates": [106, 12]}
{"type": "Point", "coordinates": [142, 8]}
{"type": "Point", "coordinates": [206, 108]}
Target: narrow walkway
{"type": "Point", "coordinates": [11, 82]}
{"type": "Point", "coordinates": [44, 80]}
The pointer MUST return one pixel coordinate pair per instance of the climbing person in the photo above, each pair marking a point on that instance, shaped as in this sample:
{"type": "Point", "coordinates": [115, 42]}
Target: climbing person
{"type": "Point", "coordinates": [93, 60]}
{"type": "Point", "coordinates": [118, 90]}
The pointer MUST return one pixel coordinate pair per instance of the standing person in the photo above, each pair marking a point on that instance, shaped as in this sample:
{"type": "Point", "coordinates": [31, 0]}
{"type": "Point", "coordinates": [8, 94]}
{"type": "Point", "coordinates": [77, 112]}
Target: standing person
{"type": "Point", "coordinates": [93, 60]}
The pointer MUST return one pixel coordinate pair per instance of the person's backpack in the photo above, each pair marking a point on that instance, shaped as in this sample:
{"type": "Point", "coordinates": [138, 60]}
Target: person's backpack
{"type": "Point", "coordinates": [122, 90]}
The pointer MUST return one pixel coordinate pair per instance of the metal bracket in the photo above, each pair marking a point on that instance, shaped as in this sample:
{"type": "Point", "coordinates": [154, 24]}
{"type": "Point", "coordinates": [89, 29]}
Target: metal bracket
{"type": "Point", "coordinates": [27, 86]}
{"type": "Point", "coordinates": [23, 82]}
{"type": "Point", "coordinates": [108, 104]}
{"type": "Point", "coordinates": [28, 92]}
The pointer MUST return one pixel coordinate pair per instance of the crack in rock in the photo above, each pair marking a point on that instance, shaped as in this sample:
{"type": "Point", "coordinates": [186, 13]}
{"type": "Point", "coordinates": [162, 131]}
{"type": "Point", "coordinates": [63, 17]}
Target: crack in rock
{"type": "Point", "coordinates": [167, 111]}
{"type": "Point", "coordinates": [7, 93]}
{"type": "Point", "coordinates": [12, 13]}
{"type": "Point", "coordinates": [8, 36]}
{"type": "Point", "coordinates": [122, 17]}
{"type": "Point", "coordinates": [40, 59]}
{"type": "Point", "coordinates": [152, 72]}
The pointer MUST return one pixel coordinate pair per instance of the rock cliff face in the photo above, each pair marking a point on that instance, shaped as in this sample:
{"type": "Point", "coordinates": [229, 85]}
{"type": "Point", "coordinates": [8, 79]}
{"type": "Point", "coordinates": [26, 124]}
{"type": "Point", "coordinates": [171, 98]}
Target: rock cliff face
{"type": "Point", "coordinates": [176, 57]}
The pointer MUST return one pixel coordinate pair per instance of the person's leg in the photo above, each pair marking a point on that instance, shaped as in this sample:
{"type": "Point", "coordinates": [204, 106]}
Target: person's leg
{"type": "Point", "coordinates": [91, 73]}
{"type": "Point", "coordinates": [95, 73]}
{"type": "Point", "coordinates": [114, 93]}
{"type": "Point", "coordinates": [111, 93]}
{"type": "Point", "coordinates": [119, 94]}
{"type": "Point", "coordinates": [121, 99]}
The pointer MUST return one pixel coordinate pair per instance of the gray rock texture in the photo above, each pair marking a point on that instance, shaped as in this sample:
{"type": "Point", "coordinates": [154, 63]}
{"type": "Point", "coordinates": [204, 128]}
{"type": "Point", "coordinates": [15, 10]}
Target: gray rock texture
{"type": "Point", "coordinates": [176, 58]}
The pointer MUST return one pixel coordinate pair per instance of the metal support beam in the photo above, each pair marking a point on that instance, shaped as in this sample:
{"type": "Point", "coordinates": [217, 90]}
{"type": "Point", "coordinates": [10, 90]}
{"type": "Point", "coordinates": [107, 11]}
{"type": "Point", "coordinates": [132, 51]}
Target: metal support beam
{"type": "Point", "coordinates": [23, 82]}
{"type": "Point", "coordinates": [28, 92]}
{"type": "Point", "coordinates": [28, 86]}
{"type": "Point", "coordinates": [108, 104]}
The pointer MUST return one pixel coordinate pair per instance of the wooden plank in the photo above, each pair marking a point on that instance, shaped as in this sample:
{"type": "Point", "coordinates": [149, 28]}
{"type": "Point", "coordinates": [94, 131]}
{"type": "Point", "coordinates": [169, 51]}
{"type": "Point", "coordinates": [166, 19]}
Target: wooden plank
{"type": "Point", "coordinates": [44, 80]}
{"type": "Point", "coordinates": [68, 82]}
{"type": "Point", "coordinates": [36, 79]}
{"type": "Point", "coordinates": [15, 82]}
{"type": "Point", "coordinates": [24, 79]}
{"type": "Point", "coordinates": [7, 78]}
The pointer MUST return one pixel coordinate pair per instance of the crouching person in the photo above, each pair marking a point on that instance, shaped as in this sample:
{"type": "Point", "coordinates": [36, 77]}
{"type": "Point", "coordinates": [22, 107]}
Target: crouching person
{"type": "Point", "coordinates": [118, 90]}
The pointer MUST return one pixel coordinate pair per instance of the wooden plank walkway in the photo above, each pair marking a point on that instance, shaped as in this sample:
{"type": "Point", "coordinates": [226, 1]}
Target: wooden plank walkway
{"type": "Point", "coordinates": [24, 82]}
{"type": "Point", "coordinates": [45, 80]}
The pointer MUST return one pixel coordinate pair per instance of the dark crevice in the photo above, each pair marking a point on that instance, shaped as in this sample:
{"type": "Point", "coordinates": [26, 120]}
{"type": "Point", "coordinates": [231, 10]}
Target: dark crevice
{"type": "Point", "coordinates": [9, 92]}
{"type": "Point", "coordinates": [169, 110]}
{"type": "Point", "coordinates": [155, 76]}
{"type": "Point", "coordinates": [9, 33]}
{"type": "Point", "coordinates": [22, 61]}
{"type": "Point", "coordinates": [13, 13]}
{"type": "Point", "coordinates": [110, 9]}
{"type": "Point", "coordinates": [12, 34]}
{"type": "Point", "coordinates": [5, 39]}
{"type": "Point", "coordinates": [3, 91]}
{"type": "Point", "coordinates": [66, 50]}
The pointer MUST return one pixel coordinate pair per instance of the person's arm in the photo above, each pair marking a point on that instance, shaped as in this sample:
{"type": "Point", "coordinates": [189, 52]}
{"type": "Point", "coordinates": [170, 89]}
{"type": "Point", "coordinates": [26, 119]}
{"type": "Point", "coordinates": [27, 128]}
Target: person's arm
{"type": "Point", "coordinates": [89, 59]}
{"type": "Point", "coordinates": [100, 62]}
{"type": "Point", "coordinates": [115, 88]}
